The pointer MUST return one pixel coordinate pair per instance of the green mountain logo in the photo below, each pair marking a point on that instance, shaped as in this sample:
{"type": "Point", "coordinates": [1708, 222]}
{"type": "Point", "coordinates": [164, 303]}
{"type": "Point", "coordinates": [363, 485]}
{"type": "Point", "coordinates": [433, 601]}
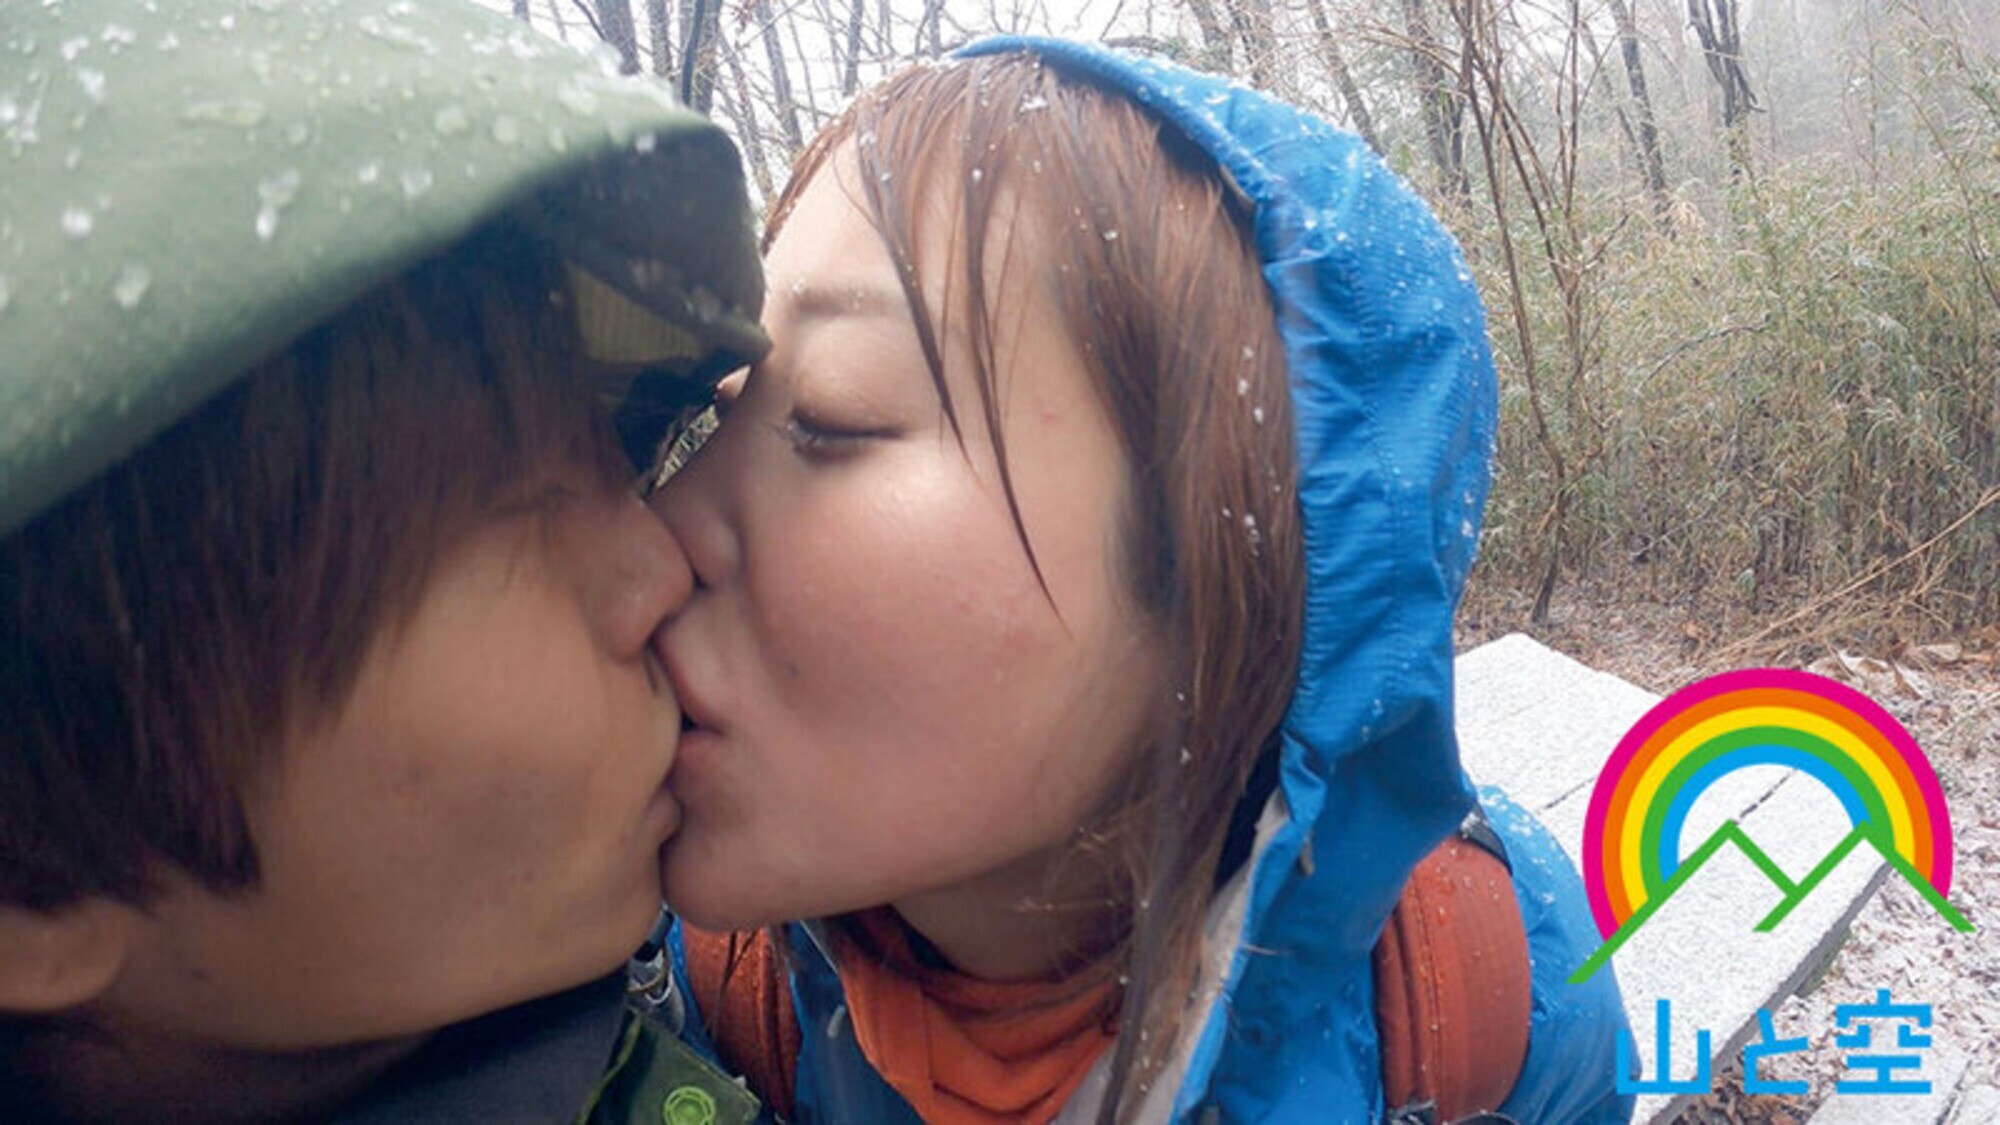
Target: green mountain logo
{"type": "Point", "coordinates": [1794, 893]}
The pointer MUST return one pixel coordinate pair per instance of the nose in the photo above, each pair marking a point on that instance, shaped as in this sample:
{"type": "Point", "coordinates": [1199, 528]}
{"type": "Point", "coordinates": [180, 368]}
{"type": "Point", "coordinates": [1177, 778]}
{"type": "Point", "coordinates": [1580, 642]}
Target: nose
{"type": "Point", "coordinates": [638, 579]}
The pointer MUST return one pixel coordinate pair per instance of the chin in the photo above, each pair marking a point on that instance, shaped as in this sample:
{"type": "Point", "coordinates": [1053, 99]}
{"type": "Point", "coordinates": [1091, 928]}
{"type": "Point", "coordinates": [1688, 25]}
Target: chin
{"type": "Point", "coordinates": [716, 905]}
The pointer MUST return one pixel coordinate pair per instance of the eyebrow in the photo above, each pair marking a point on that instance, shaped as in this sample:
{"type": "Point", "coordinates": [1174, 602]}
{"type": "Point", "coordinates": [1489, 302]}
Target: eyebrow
{"type": "Point", "coordinates": [820, 302]}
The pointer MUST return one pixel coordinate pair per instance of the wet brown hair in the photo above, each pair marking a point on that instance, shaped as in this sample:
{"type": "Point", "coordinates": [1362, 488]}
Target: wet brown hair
{"type": "Point", "coordinates": [1144, 246]}
{"type": "Point", "coordinates": [165, 628]}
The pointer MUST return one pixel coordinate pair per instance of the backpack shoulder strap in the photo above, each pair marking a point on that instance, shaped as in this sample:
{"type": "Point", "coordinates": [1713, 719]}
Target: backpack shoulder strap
{"type": "Point", "coordinates": [743, 991]}
{"type": "Point", "coordinates": [1453, 986]}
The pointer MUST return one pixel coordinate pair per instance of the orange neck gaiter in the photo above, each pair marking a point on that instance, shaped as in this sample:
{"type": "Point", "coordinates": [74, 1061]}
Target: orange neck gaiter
{"type": "Point", "coordinates": [964, 1051]}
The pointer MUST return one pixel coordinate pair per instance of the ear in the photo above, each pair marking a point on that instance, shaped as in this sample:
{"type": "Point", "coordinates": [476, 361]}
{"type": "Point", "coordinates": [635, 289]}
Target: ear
{"type": "Point", "coordinates": [57, 959]}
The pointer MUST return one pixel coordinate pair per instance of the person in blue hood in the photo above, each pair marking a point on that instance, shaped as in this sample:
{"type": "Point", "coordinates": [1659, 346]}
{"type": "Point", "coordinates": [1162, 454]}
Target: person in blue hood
{"type": "Point", "coordinates": [1071, 639]}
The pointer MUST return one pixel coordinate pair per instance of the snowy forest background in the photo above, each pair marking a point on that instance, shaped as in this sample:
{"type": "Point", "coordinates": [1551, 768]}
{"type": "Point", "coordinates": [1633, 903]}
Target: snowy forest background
{"type": "Point", "coordinates": [1738, 257]}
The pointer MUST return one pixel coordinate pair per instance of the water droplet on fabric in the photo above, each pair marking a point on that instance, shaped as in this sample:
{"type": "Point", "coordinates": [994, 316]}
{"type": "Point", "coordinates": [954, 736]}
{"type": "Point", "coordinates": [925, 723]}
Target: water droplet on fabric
{"type": "Point", "coordinates": [73, 47]}
{"type": "Point", "coordinates": [130, 288]}
{"type": "Point", "coordinates": [1111, 236]}
{"type": "Point", "coordinates": [645, 143]}
{"type": "Point", "coordinates": [369, 173]}
{"type": "Point", "coordinates": [170, 42]}
{"type": "Point", "coordinates": [394, 34]}
{"type": "Point", "coordinates": [978, 174]}
{"type": "Point", "coordinates": [1257, 415]}
{"type": "Point", "coordinates": [1034, 102]}
{"type": "Point", "coordinates": [274, 193]}
{"type": "Point", "coordinates": [118, 35]}
{"type": "Point", "coordinates": [523, 46]}
{"type": "Point", "coordinates": [279, 189]}
{"type": "Point", "coordinates": [92, 81]}
{"type": "Point", "coordinates": [1187, 756]}
{"type": "Point", "coordinates": [451, 121]}
{"type": "Point", "coordinates": [505, 130]}
{"type": "Point", "coordinates": [577, 100]}
{"type": "Point", "coordinates": [77, 221]}
{"type": "Point", "coordinates": [243, 112]}
{"type": "Point", "coordinates": [416, 182]}
{"type": "Point", "coordinates": [1242, 387]}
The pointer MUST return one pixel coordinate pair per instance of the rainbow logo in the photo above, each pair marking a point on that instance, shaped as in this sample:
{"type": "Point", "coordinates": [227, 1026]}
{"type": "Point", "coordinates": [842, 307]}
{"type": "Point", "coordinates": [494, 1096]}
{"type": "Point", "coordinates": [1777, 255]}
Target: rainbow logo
{"type": "Point", "coordinates": [1757, 716]}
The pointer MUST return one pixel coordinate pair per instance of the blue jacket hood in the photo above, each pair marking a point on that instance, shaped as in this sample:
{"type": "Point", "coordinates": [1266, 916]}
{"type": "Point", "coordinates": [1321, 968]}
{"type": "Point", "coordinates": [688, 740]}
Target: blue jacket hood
{"type": "Point", "coordinates": [1395, 404]}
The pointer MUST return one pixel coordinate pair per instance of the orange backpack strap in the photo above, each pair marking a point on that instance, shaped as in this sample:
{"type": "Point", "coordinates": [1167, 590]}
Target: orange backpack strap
{"type": "Point", "coordinates": [739, 982]}
{"type": "Point", "coordinates": [1453, 986]}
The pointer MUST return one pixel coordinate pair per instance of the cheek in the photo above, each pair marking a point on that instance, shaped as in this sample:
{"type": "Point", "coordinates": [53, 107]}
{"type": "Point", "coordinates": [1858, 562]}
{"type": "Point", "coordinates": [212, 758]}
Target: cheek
{"type": "Point", "coordinates": [914, 596]}
{"type": "Point", "coordinates": [469, 766]}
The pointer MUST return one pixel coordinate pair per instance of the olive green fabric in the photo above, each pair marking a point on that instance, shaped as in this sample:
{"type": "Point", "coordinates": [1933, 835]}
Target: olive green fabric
{"type": "Point", "coordinates": [186, 186]}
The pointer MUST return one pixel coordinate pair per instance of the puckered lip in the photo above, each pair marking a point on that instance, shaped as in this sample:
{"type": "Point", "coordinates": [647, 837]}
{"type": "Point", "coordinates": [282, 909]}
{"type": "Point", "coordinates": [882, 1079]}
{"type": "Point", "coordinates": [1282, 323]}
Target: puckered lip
{"type": "Point", "coordinates": [697, 713]}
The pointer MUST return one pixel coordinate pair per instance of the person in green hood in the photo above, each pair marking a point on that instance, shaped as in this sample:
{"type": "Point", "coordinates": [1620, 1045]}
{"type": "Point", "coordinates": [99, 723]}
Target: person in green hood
{"type": "Point", "coordinates": [332, 774]}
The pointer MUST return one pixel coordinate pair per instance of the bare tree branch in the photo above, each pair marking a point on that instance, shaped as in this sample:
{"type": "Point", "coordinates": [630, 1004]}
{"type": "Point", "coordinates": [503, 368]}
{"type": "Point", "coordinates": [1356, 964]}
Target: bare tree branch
{"type": "Point", "coordinates": [850, 78]}
{"type": "Point", "coordinates": [661, 28]}
{"type": "Point", "coordinates": [1336, 66]}
{"type": "Point", "coordinates": [614, 26]}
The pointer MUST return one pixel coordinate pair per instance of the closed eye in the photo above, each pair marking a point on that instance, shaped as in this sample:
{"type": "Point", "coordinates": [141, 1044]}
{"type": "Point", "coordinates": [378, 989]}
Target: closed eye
{"type": "Point", "coordinates": [814, 438]}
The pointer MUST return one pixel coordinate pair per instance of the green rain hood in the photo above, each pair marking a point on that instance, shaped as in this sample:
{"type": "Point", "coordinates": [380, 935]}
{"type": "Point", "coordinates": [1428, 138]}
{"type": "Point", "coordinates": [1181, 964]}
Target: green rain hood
{"type": "Point", "coordinates": [187, 186]}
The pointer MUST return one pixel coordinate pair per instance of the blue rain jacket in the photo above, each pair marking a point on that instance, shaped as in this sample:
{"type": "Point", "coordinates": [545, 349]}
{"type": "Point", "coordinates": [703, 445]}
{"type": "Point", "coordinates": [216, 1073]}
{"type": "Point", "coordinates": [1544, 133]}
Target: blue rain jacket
{"type": "Point", "coordinates": [1395, 407]}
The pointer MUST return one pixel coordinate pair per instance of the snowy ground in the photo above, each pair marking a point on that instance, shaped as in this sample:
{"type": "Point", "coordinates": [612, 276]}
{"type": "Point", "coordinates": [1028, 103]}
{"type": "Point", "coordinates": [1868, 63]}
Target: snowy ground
{"type": "Point", "coordinates": [1947, 693]}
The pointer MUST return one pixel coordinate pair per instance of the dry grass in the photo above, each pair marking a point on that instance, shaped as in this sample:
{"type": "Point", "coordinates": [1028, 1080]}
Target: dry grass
{"type": "Point", "coordinates": [1794, 412]}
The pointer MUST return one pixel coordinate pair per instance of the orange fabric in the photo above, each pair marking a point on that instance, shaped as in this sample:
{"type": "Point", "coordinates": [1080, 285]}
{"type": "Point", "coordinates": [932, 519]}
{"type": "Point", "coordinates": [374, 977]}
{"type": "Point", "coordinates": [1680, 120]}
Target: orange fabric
{"type": "Point", "coordinates": [963, 1051]}
{"type": "Point", "coordinates": [1453, 988]}
{"type": "Point", "coordinates": [740, 984]}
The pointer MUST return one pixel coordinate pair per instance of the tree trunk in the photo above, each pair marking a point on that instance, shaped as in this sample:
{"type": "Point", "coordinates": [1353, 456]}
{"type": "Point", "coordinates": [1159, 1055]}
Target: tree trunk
{"type": "Point", "coordinates": [1336, 65]}
{"type": "Point", "coordinates": [1443, 108]}
{"type": "Point", "coordinates": [1714, 23]}
{"type": "Point", "coordinates": [1215, 37]}
{"type": "Point", "coordinates": [810, 101]}
{"type": "Point", "coordinates": [701, 21]}
{"type": "Point", "coordinates": [1650, 161]}
{"type": "Point", "coordinates": [850, 75]}
{"type": "Point", "coordinates": [556, 17]}
{"type": "Point", "coordinates": [743, 113]}
{"type": "Point", "coordinates": [930, 30]}
{"type": "Point", "coordinates": [662, 30]}
{"type": "Point", "coordinates": [1260, 47]}
{"type": "Point", "coordinates": [614, 23]}
{"type": "Point", "coordinates": [781, 81]}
